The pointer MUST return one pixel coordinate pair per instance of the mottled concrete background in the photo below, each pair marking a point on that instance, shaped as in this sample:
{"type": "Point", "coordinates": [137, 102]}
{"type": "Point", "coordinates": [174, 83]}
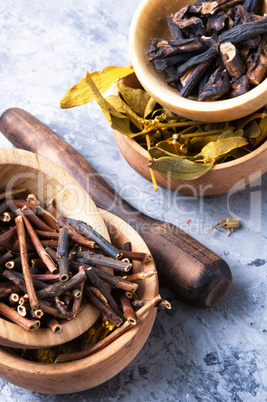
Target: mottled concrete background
{"type": "Point", "coordinates": [217, 354]}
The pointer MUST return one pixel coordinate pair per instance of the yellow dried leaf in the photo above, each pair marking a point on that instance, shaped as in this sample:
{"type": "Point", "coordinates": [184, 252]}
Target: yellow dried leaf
{"type": "Point", "coordinates": [168, 146]}
{"type": "Point", "coordinates": [263, 131]}
{"type": "Point", "coordinates": [117, 120]}
{"type": "Point", "coordinates": [137, 99]}
{"type": "Point", "coordinates": [79, 94]}
{"type": "Point", "coordinates": [221, 147]}
{"type": "Point", "coordinates": [230, 134]}
{"type": "Point", "coordinates": [122, 107]}
{"type": "Point", "coordinates": [150, 106]}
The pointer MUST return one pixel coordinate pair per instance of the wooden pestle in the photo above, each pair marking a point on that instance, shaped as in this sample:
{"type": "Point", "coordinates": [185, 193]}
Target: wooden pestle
{"type": "Point", "coordinates": [194, 272]}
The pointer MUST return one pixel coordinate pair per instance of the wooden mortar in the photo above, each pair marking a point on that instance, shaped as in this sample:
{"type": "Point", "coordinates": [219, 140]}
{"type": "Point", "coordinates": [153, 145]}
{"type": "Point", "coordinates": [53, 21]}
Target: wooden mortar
{"type": "Point", "coordinates": [91, 371]}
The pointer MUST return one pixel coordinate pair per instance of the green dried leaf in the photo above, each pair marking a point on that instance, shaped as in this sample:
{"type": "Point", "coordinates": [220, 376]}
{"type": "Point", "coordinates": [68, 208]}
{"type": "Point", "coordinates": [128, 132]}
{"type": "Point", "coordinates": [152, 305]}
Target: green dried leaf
{"type": "Point", "coordinates": [122, 125]}
{"type": "Point", "coordinates": [122, 107]}
{"type": "Point", "coordinates": [238, 153]}
{"type": "Point", "coordinates": [215, 149]}
{"type": "Point", "coordinates": [137, 99]}
{"type": "Point", "coordinates": [263, 132]}
{"type": "Point", "coordinates": [241, 123]}
{"type": "Point", "coordinates": [150, 106]}
{"type": "Point", "coordinates": [79, 94]}
{"type": "Point", "coordinates": [168, 146]}
{"type": "Point", "coordinates": [231, 134]}
{"type": "Point", "coordinates": [156, 152]}
{"type": "Point", "coordinates": [180, 168]}
{"type": "Point", "coordinates": [197, 143]}
{"type": "Point", "coordinates": [252, 130]}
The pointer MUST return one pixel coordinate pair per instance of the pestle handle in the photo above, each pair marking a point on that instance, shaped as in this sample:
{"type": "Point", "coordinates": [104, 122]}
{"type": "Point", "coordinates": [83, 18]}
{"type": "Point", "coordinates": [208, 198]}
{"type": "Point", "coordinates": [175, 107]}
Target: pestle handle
{"type": "Point", "coordinates": [194, 272]}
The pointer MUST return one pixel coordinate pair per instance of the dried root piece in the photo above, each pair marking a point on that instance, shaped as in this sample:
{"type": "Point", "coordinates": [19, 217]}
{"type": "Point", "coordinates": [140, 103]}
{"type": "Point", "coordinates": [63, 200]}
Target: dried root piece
{"type": "Point", "coordinates": [217, 85]}
{"type": "Point", "coordinates": [202, 28]}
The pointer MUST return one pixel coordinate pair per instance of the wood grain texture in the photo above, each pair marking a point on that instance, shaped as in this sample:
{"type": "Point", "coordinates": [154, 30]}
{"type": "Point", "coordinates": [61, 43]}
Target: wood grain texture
{"type": "Point", "coordinates": [45, 179]}
{"type": "Point", "coordinates": [192, 270]}
{"type": "Point", "coordinates": [150, 22]}
{"type": "Point", "coordinates": [91, 371]}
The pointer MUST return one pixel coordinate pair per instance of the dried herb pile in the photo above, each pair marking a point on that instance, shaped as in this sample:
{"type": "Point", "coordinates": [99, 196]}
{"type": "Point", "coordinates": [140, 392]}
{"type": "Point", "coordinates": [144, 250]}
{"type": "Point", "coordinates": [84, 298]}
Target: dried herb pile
{"type": "Point", "coordinates": [178, 147]}
{"type": "Point", "coordinates": [218, 49]}
{"type": "Point", "coordinates": [50, 264]}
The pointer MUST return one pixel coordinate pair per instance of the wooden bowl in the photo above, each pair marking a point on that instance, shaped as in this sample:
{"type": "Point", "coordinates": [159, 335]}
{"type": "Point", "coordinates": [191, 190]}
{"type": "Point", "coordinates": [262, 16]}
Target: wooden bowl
{"type": "Point", "coordinates": [93, 370]}
{"type": "Point", "coordinates": [222, 178]}
{"type": "Point", "coordinates": [150, 22]}
{"type": "Point", "coordinates": [45, 179]}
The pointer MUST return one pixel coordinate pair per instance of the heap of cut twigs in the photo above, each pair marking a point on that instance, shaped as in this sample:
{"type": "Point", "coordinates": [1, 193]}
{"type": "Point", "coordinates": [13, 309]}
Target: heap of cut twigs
{"type": "Point", "coordinates": [50, 264]}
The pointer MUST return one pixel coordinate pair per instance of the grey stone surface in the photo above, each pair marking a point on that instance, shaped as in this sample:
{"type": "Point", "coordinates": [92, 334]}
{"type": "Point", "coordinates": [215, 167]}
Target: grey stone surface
{"type": "Point", "coordinates": [217, 354]}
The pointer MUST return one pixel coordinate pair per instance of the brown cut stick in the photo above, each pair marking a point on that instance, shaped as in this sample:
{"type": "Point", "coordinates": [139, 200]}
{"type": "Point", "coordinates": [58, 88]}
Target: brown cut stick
{"type": "Point", "coordinates": [127, 309]}
{"type": "Point", "coordinates": [56, 289]}
{"type": "Point", "coordinates": [36, 220]}
{"type": "Point", "coordinates": [62, 254]}
{"type": "Point", "coordinates": [25, 264]}
{"type": "Point", "coordinates": [15, 317]}
{"type": "Point", "coordinates": [37, 244]}
{"type": "Point", "coordinates": [140, 275]}
{"type": "Point", "coordinates": [6, 237]}
{"type": "Point", "coordinates": [105, 309]}
{"type": "Point", "coordinates": [19, 282]}
{"type": "Point", "coordinates": [78, 301]}
{"type": "Point", "coordinates": [96, 280]}
{"type": "Point", "coordinates": [53, 325]}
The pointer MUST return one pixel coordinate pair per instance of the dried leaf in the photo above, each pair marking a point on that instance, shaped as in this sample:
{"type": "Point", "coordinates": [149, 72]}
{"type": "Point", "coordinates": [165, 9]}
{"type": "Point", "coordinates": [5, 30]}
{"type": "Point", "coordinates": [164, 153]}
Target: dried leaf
{"type": "Point", "coordinates": [197, 143]}
{"type": "Point", "coordinates": [252, 130]}
{"type": "Point", "coordinates": [107, 109]}
{"type": "Point", "coordinates": [117, 120]}
{"type": "Point", "coordinates": [150, 106]}
{"type": "Point", "coordinates": [137, 99]}
{"type": "Point", "coordinates": [238, 153]}
{"type": "Point", "coordinates": [241, 123]}
{"type": "Point", "coordinates": [215, 149]}
{"type": "Point", "coordinates": [169, 147]}
{"type": "Point", "coordinates": [180, 168]}
{"type": "Point", "coordinates": [156, 153]}
{"type": "Point", "coordinates": [231, 134]}
{"type": "Point", "coordinates": [263, 132]}
{"type": "Point", "coordinates": [79, 93]}
{"type": "Point", "coordinates": [122, 107]}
